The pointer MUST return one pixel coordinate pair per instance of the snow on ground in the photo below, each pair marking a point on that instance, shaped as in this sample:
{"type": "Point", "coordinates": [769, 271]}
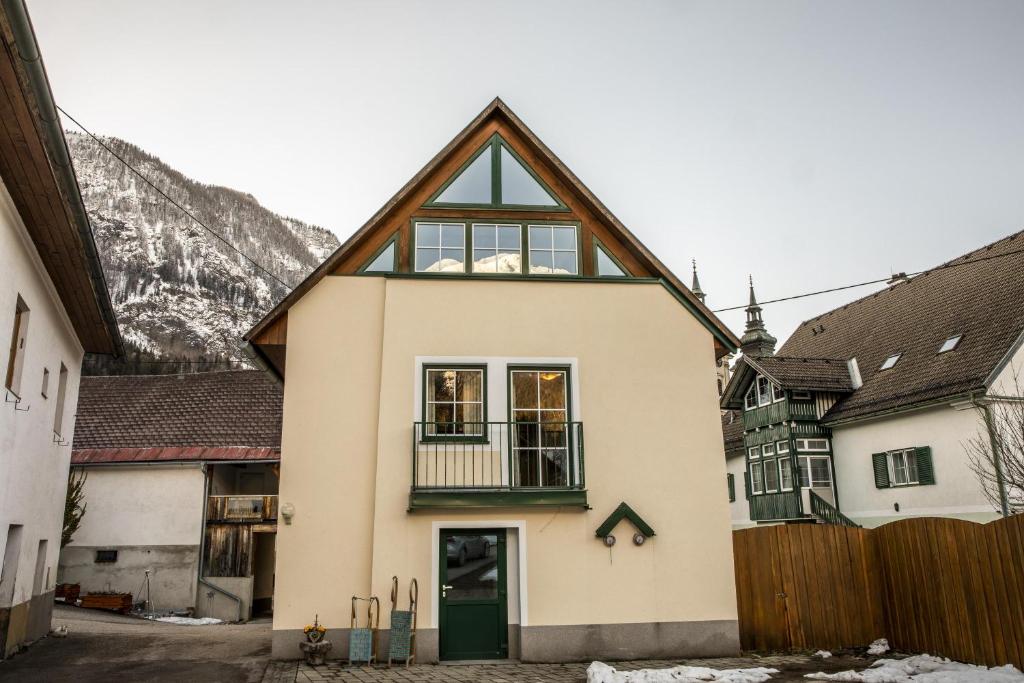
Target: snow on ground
{"type": "Point", "coordinates": [187, 621]}
{"type": "Point", "coordinates": [924, 669]}
{"type": "Point", "coordinates": [879, 647]}
{"type": "Point", "coordinates": [599, 672]}
{"type": "Point", "coordinates": [824, 654]}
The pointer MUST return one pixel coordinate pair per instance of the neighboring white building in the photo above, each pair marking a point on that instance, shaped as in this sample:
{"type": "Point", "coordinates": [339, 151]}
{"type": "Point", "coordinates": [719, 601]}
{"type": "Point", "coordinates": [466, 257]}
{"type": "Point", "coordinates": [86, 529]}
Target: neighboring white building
{"type": "Point", "coordinates": [171, 460]}
{"type": "Point", "coordinates": [53, 308]}
{"type": "Point", "coordinates": [865, 413]}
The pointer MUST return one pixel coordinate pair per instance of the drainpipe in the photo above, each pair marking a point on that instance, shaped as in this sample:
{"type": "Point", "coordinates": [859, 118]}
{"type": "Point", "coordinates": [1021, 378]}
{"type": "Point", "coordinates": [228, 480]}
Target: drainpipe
{"type": "Point", "coordinates": [997, 459]}
{"type": "Point", "coordinates": [202, 548]}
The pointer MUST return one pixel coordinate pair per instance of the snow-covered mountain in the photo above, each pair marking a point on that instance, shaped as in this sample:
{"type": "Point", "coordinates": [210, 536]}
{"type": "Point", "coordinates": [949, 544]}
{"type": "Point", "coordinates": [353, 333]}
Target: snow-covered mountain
{"type": "Point", "coordinates": [179, 292]}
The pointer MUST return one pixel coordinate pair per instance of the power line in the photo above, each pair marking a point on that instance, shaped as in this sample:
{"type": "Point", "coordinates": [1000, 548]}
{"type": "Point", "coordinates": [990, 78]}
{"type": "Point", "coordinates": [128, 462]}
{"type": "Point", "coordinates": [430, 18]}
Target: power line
{"type": "Point", "coordinates": [168, 198]}
{"type": "Point", "coordinates": [944, 266]}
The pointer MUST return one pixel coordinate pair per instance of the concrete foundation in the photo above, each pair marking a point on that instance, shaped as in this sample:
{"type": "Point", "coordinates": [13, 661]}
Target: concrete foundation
{"type": "Point", "coordinates": [25, 622]}
{"type": "Point", "coordinates": [172, 578]}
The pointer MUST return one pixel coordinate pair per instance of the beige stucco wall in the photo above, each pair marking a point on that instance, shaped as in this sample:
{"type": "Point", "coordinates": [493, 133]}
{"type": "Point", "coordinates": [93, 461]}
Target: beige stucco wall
{"type": "Point", "coordinates": [956, 492]}
{"type": "Point", "coordinates": [645, 380]}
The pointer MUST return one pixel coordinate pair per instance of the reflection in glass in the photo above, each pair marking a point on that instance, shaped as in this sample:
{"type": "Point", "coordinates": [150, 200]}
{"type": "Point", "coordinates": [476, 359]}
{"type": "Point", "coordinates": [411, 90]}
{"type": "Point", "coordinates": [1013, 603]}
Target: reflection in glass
{"type": "Point", "coordinates": [454, 402]}
{"type": "Point", "coordinates": [518, 186]}
{"type": "Point", "coordinates": [472, 567]}
{"type": "Point", "coordinates": [385, 261]}
{"type": "Point", "coordinates": [440, 247]}
{"type": "Point", "coordinates": [553, 250]}
{"type": "Point", "coordinates": [473, 185]}
{"type": "Point", "coordinates": [497, 249]}
{"type": "Point", "coordinates": [540, 439]}
{"type": "Point", "coordinates": [606, 267]}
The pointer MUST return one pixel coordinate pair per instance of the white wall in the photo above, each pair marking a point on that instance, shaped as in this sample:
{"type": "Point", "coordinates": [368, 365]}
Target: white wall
{"type": "Point", "coordinates": [740, 508]}
{"type": "Point", "coordinates": [33, 469]}
{"type": "Point", "coordinates": [956, 492]}
{"type": "Point", "coordinates": [142, 506]}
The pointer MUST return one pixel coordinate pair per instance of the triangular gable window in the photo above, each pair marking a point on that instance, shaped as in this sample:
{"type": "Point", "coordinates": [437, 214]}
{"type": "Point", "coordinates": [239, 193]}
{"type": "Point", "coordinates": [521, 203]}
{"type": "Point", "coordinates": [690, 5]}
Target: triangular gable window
{"type": "Point", "coordinates": [384, 261]}
{"type": "Point", "coordinates": [496, 177]}
{"type": "Point", "coordinates": [606, 264]}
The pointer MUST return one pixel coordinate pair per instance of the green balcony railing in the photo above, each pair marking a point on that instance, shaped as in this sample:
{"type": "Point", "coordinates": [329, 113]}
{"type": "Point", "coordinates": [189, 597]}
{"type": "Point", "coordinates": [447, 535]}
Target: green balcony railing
{"type": "Point", "coordinates": [827, 513]}
{"type": "Point", "coordinates": [468, 464]}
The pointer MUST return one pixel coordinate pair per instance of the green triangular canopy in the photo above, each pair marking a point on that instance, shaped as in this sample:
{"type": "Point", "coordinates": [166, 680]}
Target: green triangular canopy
{"type": "Point", "coordinates": [621, 512]}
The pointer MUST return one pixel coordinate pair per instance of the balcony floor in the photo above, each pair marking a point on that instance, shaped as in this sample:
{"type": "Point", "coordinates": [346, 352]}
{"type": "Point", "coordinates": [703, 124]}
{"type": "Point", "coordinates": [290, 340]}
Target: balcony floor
{"type": "Point", "coordinates": [495, 498]}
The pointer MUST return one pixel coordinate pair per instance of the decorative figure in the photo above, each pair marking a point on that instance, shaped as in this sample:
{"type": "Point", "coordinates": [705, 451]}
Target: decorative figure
{"type": "Point", "coordinates": [315, 648]}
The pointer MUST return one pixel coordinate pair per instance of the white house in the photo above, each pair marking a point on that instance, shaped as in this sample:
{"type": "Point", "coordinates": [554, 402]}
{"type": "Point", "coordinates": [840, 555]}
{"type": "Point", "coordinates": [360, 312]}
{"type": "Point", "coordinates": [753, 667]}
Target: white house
{"type": "Point", "coordinates": [53, 308]}
{"type": "Point", "coordinates": [865, 414]}
{"type": "Point", "coordinates": [180, 491]}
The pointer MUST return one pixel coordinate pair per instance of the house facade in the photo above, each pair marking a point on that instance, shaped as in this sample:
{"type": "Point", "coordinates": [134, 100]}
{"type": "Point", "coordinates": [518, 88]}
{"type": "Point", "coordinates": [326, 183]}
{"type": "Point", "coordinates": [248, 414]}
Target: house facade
{"type": "Point", "coordinates": [867, 413]}
{"type": "Point", "coordinates": [53, 308]}
{"type": "Point", "coordinates": [483, 388]}
{"type": "Point", "coordinates": [180, 490]}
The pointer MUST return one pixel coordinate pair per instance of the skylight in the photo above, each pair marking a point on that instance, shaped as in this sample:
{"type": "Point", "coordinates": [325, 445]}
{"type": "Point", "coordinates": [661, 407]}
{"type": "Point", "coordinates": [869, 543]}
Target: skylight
{"type": "Point", "coordinates": [890, 361]}
{"type": "Point", "coordinates": [950, 344]}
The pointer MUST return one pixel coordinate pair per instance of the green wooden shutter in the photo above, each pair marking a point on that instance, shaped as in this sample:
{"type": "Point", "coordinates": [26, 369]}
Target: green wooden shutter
{"type": "Point", "coordinates": [746, 484]}
{"type": "Point", "coordinates": [880, 463]}
{"type": "Point", "coordinates": [925, 470]}
{"type": "Point", "coordinates": [732, 487]}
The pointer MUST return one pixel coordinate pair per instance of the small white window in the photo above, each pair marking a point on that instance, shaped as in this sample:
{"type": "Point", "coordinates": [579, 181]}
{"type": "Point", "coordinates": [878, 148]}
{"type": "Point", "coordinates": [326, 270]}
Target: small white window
{"type": "Point", "coordinates": [755, 453]}
{"type": "Point", "coordinates": [756, 479]}
{"type": "Point", "coordinates": [949, 344]}
{"type": "Point", "coordinates": [890, 361]}
{"type": "Point", "coordinates": [785, 474]}
{"type": "Point", "coordinates": [764, 391]}
{"type": "Point", "coordinates": [553, 250]}
{"type": "Point", "coordinates": [771, 477]}
{"type": "Point", "coordinates": [815, 471]}
{"type": "Point", "coordinates": [777, 393]}
{"type": "Point", "coordinates": [768, 450]}
{"type": "Point", "coordinates": [812, 444]}
{"type": "Point", "coordinates": [440, 248]}
{"type": "Point", "coordinates": [903, 467]}
{"type": "Point", "coordinates": [782, 447]}
{"type": "Point", "coordinates": [751, 398]}
{"type": "Point", "coordinates": [497, 248]}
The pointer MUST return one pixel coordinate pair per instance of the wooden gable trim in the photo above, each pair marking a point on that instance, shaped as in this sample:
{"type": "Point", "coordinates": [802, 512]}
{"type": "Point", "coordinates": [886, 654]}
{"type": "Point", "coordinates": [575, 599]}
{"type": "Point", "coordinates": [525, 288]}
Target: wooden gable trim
{"type": "Point", "coordinates": [593, 216]}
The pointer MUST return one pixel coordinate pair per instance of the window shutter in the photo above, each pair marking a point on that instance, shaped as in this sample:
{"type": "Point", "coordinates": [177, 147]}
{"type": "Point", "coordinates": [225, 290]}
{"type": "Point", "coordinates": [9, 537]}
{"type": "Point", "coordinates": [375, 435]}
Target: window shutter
{"type": "Point", "coordinates": [732, 487]}
{"type": "Point", "coordinates": [925, 470]}
{"type": "Point", "coordinates": [880, 463]}
{"type": "Point", "coordinates": [746, 484]}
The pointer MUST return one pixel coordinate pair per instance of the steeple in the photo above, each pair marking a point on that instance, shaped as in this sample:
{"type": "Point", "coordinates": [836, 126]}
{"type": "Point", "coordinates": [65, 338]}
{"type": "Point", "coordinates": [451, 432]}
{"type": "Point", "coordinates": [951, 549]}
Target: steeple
{"type": "Point", "coordinates": [695, 287]}
{"type": "Point", "coordinates": [756, 342]}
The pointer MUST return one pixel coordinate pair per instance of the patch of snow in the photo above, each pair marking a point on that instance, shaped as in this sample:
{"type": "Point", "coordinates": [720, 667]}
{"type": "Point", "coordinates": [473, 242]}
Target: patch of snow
{"type": "Point", "coordinates": [490, 575]}
{"type": "Point", "coordinates": [879, 647]}
{"type": "Point", "coordinates": [187, 621]}
{"type": "Point", "coordinates": [925, 669]}
{"type": "Point", "coordinates": [824, 654]}
{"type": "Point", "coordinates": [599, 672]}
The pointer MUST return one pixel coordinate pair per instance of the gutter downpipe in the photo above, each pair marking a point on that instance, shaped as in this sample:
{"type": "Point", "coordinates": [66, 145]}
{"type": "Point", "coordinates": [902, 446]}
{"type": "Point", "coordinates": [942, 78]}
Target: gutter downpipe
{"type": "Point", "coordinates": [997, 460]}
{"type": "Point", "coordinates": [57, 151]}
{"type": "Point", "coordinates": [202, 549]}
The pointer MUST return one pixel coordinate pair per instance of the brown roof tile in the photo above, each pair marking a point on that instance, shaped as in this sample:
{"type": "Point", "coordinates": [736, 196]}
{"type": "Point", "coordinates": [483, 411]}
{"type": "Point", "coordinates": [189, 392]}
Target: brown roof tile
{"type": "Point", "coordinates": [240, 408]}
{"type": "Point", "coordinates": [732, 432]}
{"type": "Point", "coordinates": [815, 374]}
{"type": "Point", "coordinates": [979, 295]}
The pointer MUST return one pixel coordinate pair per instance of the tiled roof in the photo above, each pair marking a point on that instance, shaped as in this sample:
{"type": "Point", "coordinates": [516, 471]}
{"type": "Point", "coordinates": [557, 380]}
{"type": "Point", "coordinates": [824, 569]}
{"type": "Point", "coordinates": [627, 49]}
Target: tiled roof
{"type": "Point", "coordinates": [979, 295]}
{"type": "Point", "coordinates": [98, 456]}
{"type": "Point", "coordinates": [815, 374]}
{"type": "Point", "coordinates": [732, 432]}
{"type": "Point", "coordinates": [240, 408]}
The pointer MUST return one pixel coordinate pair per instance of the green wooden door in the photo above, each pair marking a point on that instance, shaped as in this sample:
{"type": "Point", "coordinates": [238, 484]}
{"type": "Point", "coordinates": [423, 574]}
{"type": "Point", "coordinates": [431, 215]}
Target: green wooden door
{"type": "Point", "coordinates": [473, 600]}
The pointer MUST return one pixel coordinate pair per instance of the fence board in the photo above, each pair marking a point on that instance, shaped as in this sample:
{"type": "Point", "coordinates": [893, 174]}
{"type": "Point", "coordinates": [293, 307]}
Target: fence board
{"type": "Point", "coordinates": [944, 586]}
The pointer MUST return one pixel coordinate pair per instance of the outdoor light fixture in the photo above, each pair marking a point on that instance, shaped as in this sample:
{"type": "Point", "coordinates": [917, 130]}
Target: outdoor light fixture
{"type": "Point", "coordinates": [609, 540]}
{"type": "Point", "coordinates": [287, 512]}
{"type": "Point", "coordinates": [639, 538]}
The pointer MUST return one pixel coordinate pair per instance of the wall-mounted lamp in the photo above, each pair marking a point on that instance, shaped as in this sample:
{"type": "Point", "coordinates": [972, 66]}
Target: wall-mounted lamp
{"type": "Point", "coordinates": [287, 512]}
{"type": "Point", "coordinates": [609, 540]}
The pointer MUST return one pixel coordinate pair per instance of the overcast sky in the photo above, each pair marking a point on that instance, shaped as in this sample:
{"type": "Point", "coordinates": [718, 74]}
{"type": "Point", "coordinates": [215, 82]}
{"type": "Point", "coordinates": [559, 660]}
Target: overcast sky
{"type": "Point", "coordinates": [811, 144]}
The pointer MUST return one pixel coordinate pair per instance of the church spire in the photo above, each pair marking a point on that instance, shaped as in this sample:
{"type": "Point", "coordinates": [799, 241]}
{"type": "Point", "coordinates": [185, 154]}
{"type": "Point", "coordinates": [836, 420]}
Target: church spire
{"type": "Point", "coordinates": [756, 340]}
{"type": "Point", "coordinates": [695, 288]}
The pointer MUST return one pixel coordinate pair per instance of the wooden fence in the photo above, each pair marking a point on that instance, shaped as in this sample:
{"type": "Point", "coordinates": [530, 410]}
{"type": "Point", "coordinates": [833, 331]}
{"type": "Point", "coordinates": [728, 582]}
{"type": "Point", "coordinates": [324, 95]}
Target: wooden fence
{"type": "Point", "coordinates": [943, 586]}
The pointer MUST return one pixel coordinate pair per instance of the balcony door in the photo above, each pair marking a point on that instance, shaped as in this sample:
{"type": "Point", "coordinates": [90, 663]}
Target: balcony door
{"type": "Point", "coordinates": [539, 407]}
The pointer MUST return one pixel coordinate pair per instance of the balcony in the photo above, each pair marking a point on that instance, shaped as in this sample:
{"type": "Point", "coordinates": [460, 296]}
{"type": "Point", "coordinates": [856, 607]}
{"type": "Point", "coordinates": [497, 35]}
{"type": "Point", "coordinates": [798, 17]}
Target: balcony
{"type": "Point", "coordinates": [497, 464]}
{"type": "Point", "coordinates": [242, 509]}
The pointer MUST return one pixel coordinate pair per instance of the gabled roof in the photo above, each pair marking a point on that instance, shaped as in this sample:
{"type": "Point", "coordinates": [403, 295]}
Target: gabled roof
{"type": "Point", "coordinates": [732, 432]}
{"type": "Point", "coordinates": [497, 110]}
{"type": "Point", "coordinates": [979, 295]}
{"type": "Point", "coordinates": [808, 374]}
{"type": "Point", "coordinates": [36, 169]}
{"type": "Point", "coordinates": [239, 409]}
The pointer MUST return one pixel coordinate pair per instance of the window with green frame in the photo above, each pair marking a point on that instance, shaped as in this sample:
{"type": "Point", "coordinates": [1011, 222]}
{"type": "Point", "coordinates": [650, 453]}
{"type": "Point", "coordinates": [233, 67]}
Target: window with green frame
{"type": "Point", "coordinates": [496, 177]}
{"type": "Point", "coordinates": [495, 247]}
{"type": "Point", "coordinates": [384, 260]}
{"type": "Point", "coordinates": [454, 401]}
{"type": "Point", "coordinates": [606, 265]}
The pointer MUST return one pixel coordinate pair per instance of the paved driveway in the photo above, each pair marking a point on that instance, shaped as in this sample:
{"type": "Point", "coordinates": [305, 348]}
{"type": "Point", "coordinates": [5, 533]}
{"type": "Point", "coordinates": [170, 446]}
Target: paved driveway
{"type": "Point", "coordinates": [102, 646]}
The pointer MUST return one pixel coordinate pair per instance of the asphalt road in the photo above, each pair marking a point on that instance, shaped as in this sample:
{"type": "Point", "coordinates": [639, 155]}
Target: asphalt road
{"type": "Point", "coordinates": [102, 646]}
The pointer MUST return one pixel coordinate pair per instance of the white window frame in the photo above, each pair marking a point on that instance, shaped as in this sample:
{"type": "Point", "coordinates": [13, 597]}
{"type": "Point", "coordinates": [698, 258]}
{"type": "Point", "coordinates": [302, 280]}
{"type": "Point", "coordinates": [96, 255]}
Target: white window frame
{"type": "Point", "coordinates": [473, 248]}
{"type": "Point", "coordinates": [552, 250]}
{"type": "Point", "coordinates": [803, 445]}
{"type": "Point", "coordinates": [908, 458]}
{"type": "Point", "coordinates": [787, 459]}
{"type": "Point", "coordinates": [767, 398]}
{"type": "Point", "coordinates": [756, 467]}
{"type": "Point", "coordinates": [750, 398]}
{"type": "Point", "coordinates": [773, 466]}
{"type": "Point", "coordinates": [781, 392]}
{"type": "Point", "coordinates": [754, 452]}
{"type": "Point", "coordinates": [416, 247]}
{"type": "Point", "coordinates": [806, 460]}
{"type": "Point", "coordinates": [768, 450]}
{"type": "Point", "coordinates": [475, 431]}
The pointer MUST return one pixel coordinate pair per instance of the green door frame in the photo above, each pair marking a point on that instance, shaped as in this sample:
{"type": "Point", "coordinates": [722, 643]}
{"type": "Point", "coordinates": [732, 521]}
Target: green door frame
{"type": "Point", "coordinates": [445, 644]}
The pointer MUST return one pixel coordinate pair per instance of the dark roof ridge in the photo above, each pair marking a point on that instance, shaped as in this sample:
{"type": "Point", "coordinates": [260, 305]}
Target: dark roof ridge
{"type": "Point", "coordinates": [176, 374]}
{"type": "Point", "coordinates": [806, 358]}
{"type": "Point", "coordinates": [889, 288]}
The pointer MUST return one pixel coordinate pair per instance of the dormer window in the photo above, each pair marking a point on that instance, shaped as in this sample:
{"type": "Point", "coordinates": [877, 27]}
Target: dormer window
{"type": "Point", "coordinates": [762, 392]}
{"type": "Point", "coordinates": [890, 361]}
{"type": "Point", "coordinates": [778, 393]}
{"type": "Point", "coordinates": [750, 401]}
{"type": "Point", "coordinates": [950, 344]}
